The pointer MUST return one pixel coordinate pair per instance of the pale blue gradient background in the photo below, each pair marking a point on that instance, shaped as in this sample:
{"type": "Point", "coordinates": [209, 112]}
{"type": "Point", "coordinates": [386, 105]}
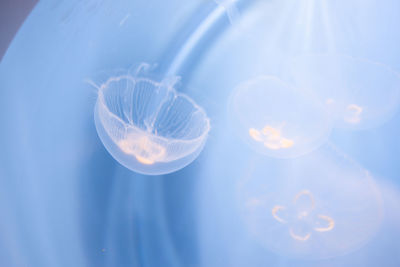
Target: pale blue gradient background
{"type": "Point", "coordinates": [64, 201]}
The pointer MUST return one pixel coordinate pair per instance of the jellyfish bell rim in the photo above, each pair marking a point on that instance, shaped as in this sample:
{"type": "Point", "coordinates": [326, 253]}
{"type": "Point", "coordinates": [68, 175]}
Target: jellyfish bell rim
{"type": "Point", "coordinates": [126, 160]}
{"type": "Point", "coordinates": [235, 122]}
{"type": "Point", "coordinates": [292, 87]}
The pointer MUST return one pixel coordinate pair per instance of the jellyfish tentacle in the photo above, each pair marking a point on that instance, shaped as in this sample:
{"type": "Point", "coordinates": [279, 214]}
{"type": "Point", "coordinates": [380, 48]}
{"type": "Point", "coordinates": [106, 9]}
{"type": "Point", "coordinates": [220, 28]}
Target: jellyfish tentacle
{"type": "Point", "coordinates": [143, 67]}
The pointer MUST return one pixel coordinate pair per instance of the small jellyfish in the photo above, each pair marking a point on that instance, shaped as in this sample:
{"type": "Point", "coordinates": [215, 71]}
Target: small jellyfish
{"type": "Point", "coordinates": [321, 205]}
{"type": "Point", "coordinates": [147, 126]}
{"type": "Point", "coordinates": [231, 9]}
{"type": "Point", "coordinates": [276, 119]}
{"type": "Point", "coordinates": [359, 94]}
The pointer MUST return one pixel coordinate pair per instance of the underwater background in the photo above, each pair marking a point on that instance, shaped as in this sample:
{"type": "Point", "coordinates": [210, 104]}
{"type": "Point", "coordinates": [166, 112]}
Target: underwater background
{"type": "Point", "coordinates": [65, 201]}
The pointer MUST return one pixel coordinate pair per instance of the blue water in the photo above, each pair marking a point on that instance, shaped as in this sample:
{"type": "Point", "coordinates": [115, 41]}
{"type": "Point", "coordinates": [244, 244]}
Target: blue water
{"type": "Point", "coordinates": [65, 201]}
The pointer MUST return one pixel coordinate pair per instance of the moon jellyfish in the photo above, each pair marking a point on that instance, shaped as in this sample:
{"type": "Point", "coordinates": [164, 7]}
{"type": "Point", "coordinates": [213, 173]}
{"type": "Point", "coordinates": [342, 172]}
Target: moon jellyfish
{"type": "Point", "coordinates": [359, 94]}
{"type": "Point", "coordinates": [231, 9]}
{"type": "Point", "coordinates": [317, 206]}
{"type": "Point", "coordinates": [148, 126]}
{"type": "Point", "coordinates": [305, 222]}
{"type": "Point", "coordinates": [276, 119]}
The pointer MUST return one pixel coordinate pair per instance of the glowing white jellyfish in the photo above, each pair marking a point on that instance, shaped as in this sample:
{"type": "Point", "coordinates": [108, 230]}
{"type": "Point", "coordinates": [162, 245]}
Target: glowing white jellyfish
{"type": "Point", "coordinates": [147, 126]}
{"type": "Point", "coordinates": [276, 119]}
{"type": "Point", "coordinates": [360, 94]}
{"type": "Point", "coordinates": [231, 9]}
{"type": "Point", "coordinates": [318, 206]}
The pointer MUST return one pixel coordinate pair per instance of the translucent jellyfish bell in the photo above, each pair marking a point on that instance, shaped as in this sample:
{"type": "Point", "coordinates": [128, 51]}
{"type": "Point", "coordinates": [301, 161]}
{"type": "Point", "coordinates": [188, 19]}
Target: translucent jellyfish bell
{"type": "Point", "coordinates": [318, 206]}
{"type": "Point", "coordinates": [359, 94]}
{"type": "Point", "coordinates": [147, 126]}
{"type": "Point", "coordinates": [276, 119]}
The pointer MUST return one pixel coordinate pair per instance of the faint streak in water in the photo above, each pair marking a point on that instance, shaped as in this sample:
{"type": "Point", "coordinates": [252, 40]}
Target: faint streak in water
{"type": "Point", "coordinates": [122, 22]}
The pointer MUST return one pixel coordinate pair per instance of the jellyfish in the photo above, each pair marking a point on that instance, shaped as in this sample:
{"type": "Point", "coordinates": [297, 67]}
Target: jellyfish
{"type": "Point", "coordinates": [147, 126]}
{"type": "Point", "coordinates": [231, 9]}
{"type": "Point", "coordinates": [276, 119]}
{"type": "Point", "coordinates": [318, 206]}
{"type": "Point", "coordinates": [359, 94]}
